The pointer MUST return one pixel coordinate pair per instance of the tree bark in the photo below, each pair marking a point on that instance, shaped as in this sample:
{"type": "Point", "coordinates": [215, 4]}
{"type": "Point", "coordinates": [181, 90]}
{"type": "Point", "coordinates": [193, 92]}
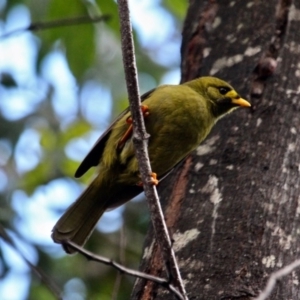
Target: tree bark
{"type": "Point", "coordinates": [232, 207]}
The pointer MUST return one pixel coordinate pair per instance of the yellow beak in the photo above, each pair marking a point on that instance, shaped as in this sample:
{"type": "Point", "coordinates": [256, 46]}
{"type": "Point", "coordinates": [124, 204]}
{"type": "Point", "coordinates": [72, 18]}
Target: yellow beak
{"type": "Point", "coordinates": [237, 100]}
{"type": "Point", "coordinates": [241, 102]}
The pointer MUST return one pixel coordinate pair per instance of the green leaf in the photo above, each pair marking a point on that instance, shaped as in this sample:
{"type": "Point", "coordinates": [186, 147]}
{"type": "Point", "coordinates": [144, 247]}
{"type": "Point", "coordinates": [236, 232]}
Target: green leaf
{"type": "Point", "coordinates": [36, 177]}
{"type": "Point", "coordinates": [77, 41]}
{"type": "Point", "coordinates": [110, 7]}
{"type": "Point", "coordinates": [74, 130]}
{"type": "Point", "coordinates": [177, 7]}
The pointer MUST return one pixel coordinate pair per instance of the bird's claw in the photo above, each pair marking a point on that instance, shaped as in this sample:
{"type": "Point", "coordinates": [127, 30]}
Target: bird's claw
{"type": "Point", "coordinates": [153, 180]}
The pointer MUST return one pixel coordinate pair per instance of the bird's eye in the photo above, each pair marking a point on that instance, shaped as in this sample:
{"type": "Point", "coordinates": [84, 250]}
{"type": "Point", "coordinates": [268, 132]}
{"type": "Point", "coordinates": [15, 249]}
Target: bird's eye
{"type": "Point", "coordinates": [224, 90]}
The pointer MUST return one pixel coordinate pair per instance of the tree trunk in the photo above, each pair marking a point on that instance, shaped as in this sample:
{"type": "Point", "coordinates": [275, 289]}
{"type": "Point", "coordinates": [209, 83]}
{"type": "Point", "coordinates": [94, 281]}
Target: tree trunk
{"type": "Point", "coordinates": [233, 206]}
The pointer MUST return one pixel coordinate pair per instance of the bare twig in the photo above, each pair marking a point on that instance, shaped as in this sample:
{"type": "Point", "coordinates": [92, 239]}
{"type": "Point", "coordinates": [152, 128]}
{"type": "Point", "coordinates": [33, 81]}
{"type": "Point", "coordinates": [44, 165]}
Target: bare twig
{"type": "Point", "coordinates": [57, 23]}
{"type": "Point", "coordinates": [91, 256]}
{"type": "Point", "coordinates": [274, 277]}
{"type": "Point", "coordinates": [49, 283]}
{"type": "Point", "coordinates": [140, 140]}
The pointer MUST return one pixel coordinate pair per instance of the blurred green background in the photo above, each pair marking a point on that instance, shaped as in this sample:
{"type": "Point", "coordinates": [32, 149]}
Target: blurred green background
{"type": "Point", "coordinates": [59, 90]}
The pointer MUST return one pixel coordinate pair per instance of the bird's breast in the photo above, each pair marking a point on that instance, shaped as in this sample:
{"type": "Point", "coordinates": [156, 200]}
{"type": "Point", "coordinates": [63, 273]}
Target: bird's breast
{"type": "Point", "coordinates": [175, 130]}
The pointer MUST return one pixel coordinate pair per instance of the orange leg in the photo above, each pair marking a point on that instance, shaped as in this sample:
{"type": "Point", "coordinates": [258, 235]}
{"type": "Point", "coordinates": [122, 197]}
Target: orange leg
{"type": "Point", "coordinates": [154, 180]}
{"type": "Point", "coordinates": [127, 134]}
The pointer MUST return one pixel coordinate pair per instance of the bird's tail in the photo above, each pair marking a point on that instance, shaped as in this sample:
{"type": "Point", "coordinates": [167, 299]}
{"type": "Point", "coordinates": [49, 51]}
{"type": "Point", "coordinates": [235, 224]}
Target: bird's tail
{"type": "Point", "coordinates": [78, 222]}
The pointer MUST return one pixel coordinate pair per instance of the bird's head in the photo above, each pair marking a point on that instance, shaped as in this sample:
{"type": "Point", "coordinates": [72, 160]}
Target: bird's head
{"type": "Point", "coordinates": [221, 96]}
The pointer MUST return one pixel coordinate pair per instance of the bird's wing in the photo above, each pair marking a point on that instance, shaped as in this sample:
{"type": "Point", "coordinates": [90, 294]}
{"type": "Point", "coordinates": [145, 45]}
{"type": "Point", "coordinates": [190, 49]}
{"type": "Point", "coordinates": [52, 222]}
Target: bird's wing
{"type": "Point", "coordinates": [93, 157]}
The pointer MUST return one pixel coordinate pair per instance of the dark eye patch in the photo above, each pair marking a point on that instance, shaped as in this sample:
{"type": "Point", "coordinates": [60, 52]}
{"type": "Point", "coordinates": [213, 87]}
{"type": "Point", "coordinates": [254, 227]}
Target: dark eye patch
{"type": "Point", "coordinates": [224, 90]}
{"type": "Point", "coordinates": [226, 100]}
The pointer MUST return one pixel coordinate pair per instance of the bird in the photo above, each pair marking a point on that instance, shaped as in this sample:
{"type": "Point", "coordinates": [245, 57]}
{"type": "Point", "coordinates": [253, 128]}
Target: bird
{"type": "Point", "coordinates": [177, 118]}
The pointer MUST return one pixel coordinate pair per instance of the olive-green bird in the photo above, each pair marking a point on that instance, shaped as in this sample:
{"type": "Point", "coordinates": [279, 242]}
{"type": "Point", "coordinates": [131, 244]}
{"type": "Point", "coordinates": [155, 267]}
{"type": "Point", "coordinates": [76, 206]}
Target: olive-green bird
{"type": "Point", "coordinates": [177, 117]}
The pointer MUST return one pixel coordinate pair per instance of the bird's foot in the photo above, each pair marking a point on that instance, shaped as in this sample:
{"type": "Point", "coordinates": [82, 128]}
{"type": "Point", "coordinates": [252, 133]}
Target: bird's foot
{"type": "Point", "coordinates": [153, 180]}
{"type": "Point", "coordinates": [127, 134]}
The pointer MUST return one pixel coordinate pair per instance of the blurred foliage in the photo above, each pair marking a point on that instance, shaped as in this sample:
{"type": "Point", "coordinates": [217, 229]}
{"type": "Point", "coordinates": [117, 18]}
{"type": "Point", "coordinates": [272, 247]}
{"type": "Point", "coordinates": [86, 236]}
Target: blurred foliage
{"type": "Point", "coordinates": [93, 54]}
{"type": "Point", "coordinates": [80, 51]}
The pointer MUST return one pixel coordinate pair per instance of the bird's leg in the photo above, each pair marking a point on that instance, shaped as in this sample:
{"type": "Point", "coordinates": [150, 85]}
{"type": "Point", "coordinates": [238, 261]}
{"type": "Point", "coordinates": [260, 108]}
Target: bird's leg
{"type": "Point", "coordinates": [153, 181]}
{"type": "Point", "coordinates": [127, 134]}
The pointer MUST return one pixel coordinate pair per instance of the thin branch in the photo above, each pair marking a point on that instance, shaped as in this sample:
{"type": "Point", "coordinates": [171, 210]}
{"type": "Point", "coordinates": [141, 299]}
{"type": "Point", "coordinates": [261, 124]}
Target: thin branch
{"type": "Point", "coordinates": [57, 23]}
{"type": "Point", "coordinates": [49, 283]}
{"type": "Point", "coordinates": [97, 258]}
{"type": "Point", "coordinates": [140, 140]}
{"type": "Point", "coordinates": [275, 277]}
